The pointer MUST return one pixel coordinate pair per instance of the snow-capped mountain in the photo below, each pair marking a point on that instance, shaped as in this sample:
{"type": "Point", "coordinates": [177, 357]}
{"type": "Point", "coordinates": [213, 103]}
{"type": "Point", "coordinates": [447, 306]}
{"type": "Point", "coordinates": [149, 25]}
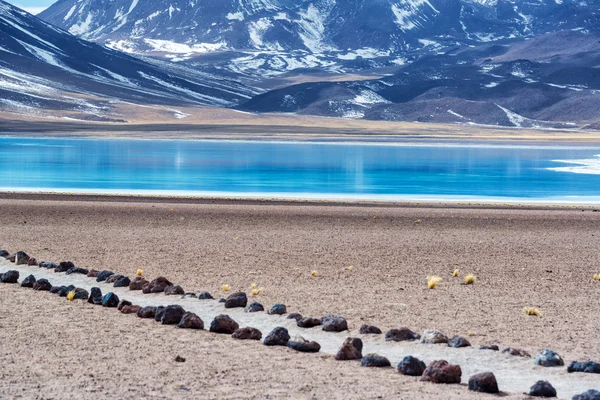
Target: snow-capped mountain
{"type": "Point", "coordinates": [44, 67]}
{"type": "Point", "coordinates": [275, 36]}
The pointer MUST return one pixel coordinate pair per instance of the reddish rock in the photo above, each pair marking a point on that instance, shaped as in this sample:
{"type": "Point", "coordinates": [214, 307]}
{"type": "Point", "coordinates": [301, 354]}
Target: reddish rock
{"type": "Point", "coordinates": [223, 324]}
{"type": "Point", "coordinates": [401, 335]}
{"type": "Point", "coordinates": [146, 312]}
{"type": "Point", "coordinates": [247, 334]}
{"type": "Point", "coordinates": [350, 350]}
{"type": "Point", "coordinates": [113, 278]}
{"type": "Point", "coordinates": [191, 321]}
{"type": "Point", "coordinates": [369, 330]}
{"type": "Point", "coordinates": [158, 285]}
{"type": "Point", "coordinates": [124, 303]}
{"type": "Point", "coordinates": [138, 283]}
{"type": "Point", "coordinates": [308, 322]}
{"type": "Point", "coordinates": [173, 290]}
{"type": "Point", "coordinates": [132, 309]}
{"type": "Point", "coordinates": [92, 273]}
{"type": "Point", "coordinates": [42, 285]}
{"type": "Point", "coordinates": [484, 382]}
{"type": "Point", "coordinates": [32, 262]}
{"type": "Point", "coordinates": [236, 300]}
{"type": "Point", "coordinates": [442, 372]}
{"type": "Point", "coordinates": [302, 345]}
{"type": "Point", "coordinates": [516, 352]}
{"type": "Point", "coordinates": [172, 315]}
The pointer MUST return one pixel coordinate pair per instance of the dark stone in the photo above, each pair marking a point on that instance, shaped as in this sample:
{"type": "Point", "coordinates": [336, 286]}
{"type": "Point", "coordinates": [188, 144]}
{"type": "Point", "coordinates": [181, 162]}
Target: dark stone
{"type": "Point", "coordinates": [138, 283]}
{"type": "Point", "coordinates": [189, 295]}
{"type": "Point", "coordinates": [548, 358]}
{"type": "Point", "coordinates": [146, 312]}
{"type": "Point", "coordinates": [132, 309]}
{"type": "Point", "coordinates": [589, 367]}
{"type": "Point", "coordinates": [81, 294]}
{"type": "Point", "coordinates": [222, 300]}
{"type": "Point", "coordinates": [277, 309]}
{"type": "Point", "coordinates": [77, 270]}
{"type": "Point", "coordinates": [124, 303]}
{"type": "Point", "coordinates": [278, 337]}
{"type": "Point", "coordinates": [589, 395]}
{"type": "Point", "coordinates": [97, 300]}
{"type": "Point", "coordinates": [56, 289]}
{"type": "Point", "coordinates": [351, 350]}
{"type": "Point", "coordinates": [542, 389]}
{"type": "Point", "coordinates": [42, 285]}
{"type": "Point", "coordinates": [300, 344]}
{"type": "Point", "coordinates": [95, 293]}
{"type": "Point", "coordinates": [334, 323]}
{"type": "Point", "coordinates": [308, 322]}
{"type": "Point", "coordinates": [21, 258]}
{"type": "Point", "coordinates": [459, 341]}
{"type": "Point", "coordinates": [10, 277]}
{"type": "Point", "coordinates": [104, 275]}
{"type": "Point", "coordinates": [401, 335]}
{"type": "Point", "coordinates": [65, 290]}
{"type": "Point", "coordinates": [48, 265]}
{"type": "Point", "coordinates": [191, 321]}
{"type": "Point", "coordinates": [442, 372]}
{"type": "Point", "coordinates": [110, 300]}
{"type": "Point", "coordinates": [516, 352]}
{"type": "Point", "coordinates": [173, 290]}
{"type": "Point", "coordinates": [64, 266]}
{"type": "Point", "coordinates": [179, 359]}
{"type": "Point", "coordinates": [411, 366]}
{"type": "Point", "coordinates": [32, 262]}
{"type": "Point", "coordinates": [484, 382]}
{"type": "Point", "coordinates": [490, 347]}
{"type": "Point", "coordinates": [235, 300]}
{"type": "Point", "coordinates": [158, 285]}
{"type": "Point", "coordinates": [113, 278]}
{"type": "Point", "coordinates": [160, 311]}
{"type": "Point", "coordinates": [11, 258]}
{"type": "Point", "coordinates": [28, 282]}
{"type": "Point", "coordinates": [369, 330]}
{"type": "Point", "coordinates": [92, 273]}
{"type": "Point", "coordinates": [247, 334]}
{"type": "Point", "coordinates": [223, 324]}
{"type": "Point", "coordinates": [295, 316]}
{"type": "Point", "coordinates": [433, 337]}
{"type": "Point", "coordinates": [205, 296]}
{"type": "Point", "coordinates": [123, 281]}
{"type": "Point", "coordinates": [4, 253]}
{"type": "Point", "coordinates": [254, 307]}
{"type": "Point", "coordinates": [375, 360]}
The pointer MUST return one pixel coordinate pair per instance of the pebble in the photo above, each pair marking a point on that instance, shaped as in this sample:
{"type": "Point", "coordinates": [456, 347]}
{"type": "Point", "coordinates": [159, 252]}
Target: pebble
{"type": "Point", "coordinates": [191, 321]}
{"type": "Point", "coordinates": [205, 296]}
{"type": "Point", "coordinates": [28, 282]}
{"type": "Point", "coordinates": [247, 334]}
{"type": "Point", "coordinates": [278, 337]}
{"type": "Point", "coordinates": [64, 266]}
{"type": "Point", "coordinates": [411, 366]}
{"type": "Point", "coordinates": [302, 345]}
{"type": "Point", "coordinates": [10, 277]}
{"type": "Point", "coordinates": [95, 294]}
{"type": "Point", "coordinates": [179, 359]}
{"type": "Point", "coordinates": [174, 290]}
{"type": "Point", "coordinates": [130, 309]}
{"type": "Point", "coordinates": [236, 300]}
{"type": "Point", "coordinates": [490, 347]}
{"type": "Point", "coordinates": [123, 281]}
{"type": "Point", "coordinates": [295, 316]}
{"type": "Point", "coordinates": [334, 323]}
{"type": "Point", "coordinates": [42, 285]}
{"type": "Point", "coordinates": [277, 309]}
{"type": "Point", "coordinates": [102, 276]}
{"type": "Point", "coordinates": [458, 341]}
{"type": "Point", "coordinates": [589, 367]}
{"type": "Point", "coordinates": [433, 337]}
{"type": "Point", "coordinates": [441, 371]}
{"type": "Point", "coordinates": [157, 285]}
{"type": "Point", "coordinates": [308, 322]}
{"type": "Point", "coordinates": [369, 330]}
{"type": "Point", "coordinates": [254, 307]}
{"type": "Point", "coordinates": [484, 382]}
{"type": "Point", "coordinates": [400, 335]}
{"type": "Point", "coordinates": [138, 283]}
{"type": "Point", "coordinates": [147, 312]}
{"type": "Point", "coordinates": [223, 324]}
{"type": "Point", "coordinates": [375, 360]}
{"type": "Point", "coordinates": [110, 300]}
{"type": "Point", "coordinates": [548, 358]}
{"type": "Point", "coordinates": [516, 352]}
{"type": "Point", "coordinates": [351, 350]}
{"type": "Point", "coordinates": [542, 389]}
{"type": "Point", "coordinates": [589, 395]}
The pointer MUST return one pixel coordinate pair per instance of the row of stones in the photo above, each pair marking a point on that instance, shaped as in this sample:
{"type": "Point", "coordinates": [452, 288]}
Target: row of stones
{"type": "Point", "coordinates": [438, 371]}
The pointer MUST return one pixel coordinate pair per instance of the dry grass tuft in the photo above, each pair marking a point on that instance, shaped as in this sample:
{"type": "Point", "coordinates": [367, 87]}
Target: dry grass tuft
{"type": "Point", "coordinates": [314, 273]}
{"type": "Point", "coordinates": [256, 292]}
{"type": "Point", "coordinates": [225, 288]}
{"type": "Point", "coordinates": [71, 295]}
{"type": "Point", "coordinates": [433, 281]}
{"type": "Point", "coordinates": [139, 272]}
{"type": "Point", "coordinates": [470, 279]}
{"type": "Point", "coordinates": [597, 277]}
{"type": "Point", "coordinates": [455, 273]}
{"type": "Point", "coordinates": [532, 311]}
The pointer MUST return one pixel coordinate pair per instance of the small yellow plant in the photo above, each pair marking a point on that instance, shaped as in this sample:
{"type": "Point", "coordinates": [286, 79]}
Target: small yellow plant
{"type": "Point", "coordinates": [256, 292]}
{"type": "Point", "coordinates": [597, 277]}
{"type": "Point", "coordinates": [433, 281]}
{"type": "Point", "coordinates": [349, 268]}
{"type": "Point", "coordinates": [469, 333]}
{"type": "Point", "coordinates": [470, 279]}
{"type": "Point", "coordinates": [139, 272]}
{"type": "Point", "coordinates": [532, 311]}
{"type": "Point", "coordinates": [71, 295]}
{"type": "Point", "coordinates": [253, 285]}
{"type": "Point", "coordinates": [455, 273]}
{"type": "Point", "coordinates": [314, 273]}
{"type": "Point", "coordinates": [225, 288]}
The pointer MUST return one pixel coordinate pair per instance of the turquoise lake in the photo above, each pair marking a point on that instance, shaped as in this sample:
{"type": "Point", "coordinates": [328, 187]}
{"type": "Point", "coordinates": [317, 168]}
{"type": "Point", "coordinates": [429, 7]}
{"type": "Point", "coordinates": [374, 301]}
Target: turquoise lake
{"type": "Point", "coordinates": [301, 170]}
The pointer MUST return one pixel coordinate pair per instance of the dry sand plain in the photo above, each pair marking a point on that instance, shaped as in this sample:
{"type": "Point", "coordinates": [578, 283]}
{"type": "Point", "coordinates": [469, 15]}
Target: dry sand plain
{"type": "Point", "coordinates": [541, 258]}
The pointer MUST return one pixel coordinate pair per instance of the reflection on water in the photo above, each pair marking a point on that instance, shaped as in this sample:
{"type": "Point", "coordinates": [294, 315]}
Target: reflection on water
{"type": "Point", "coordinates": [286, 168]}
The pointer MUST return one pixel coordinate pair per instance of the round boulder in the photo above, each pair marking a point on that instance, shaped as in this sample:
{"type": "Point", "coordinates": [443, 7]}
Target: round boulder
{"type": "Point", "coordinates": [442, 372]}
{"type": "Point", "coordinates": [375, 360]}
{"type": "Point", "coordinates": [484, 382]}
{"type": "Point", "coordinates": [247, 334]}
{"type": "Point", "coordinates": [411, 366]}
{"type": "Point", "coordinates": [542, 389]}
{"type": "Point", "coordinates": [334, 323]}
{"type": "Point", "coordinates": [278, 337]}
{"type": "Point", "coordinates": [191, 321]}
{"type": "Point", "coordinates": [223, 324]}
{"type": "Point", "coordinates": [351, 350]}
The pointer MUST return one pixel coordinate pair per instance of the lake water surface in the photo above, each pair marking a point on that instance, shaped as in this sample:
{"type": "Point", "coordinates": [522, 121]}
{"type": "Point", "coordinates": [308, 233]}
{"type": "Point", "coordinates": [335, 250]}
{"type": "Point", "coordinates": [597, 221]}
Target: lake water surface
{"type": "Point", "coordinates": [301, 170]}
